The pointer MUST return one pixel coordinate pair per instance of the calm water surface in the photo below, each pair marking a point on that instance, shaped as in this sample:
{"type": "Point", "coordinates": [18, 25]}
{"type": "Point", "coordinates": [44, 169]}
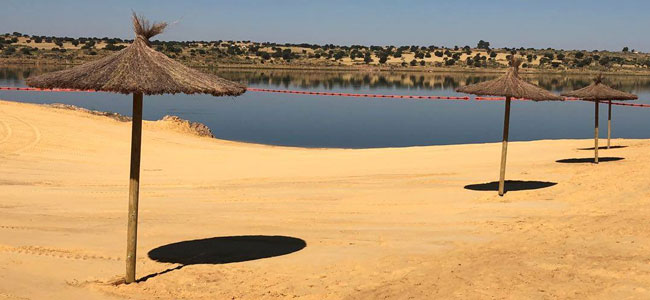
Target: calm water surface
{"type": "Point", "coordinates": [321, 121]}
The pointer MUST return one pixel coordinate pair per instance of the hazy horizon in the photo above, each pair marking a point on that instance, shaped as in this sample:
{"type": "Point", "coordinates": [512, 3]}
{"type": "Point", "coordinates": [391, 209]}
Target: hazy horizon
{"type": "Point", "coordinates": [578, 25]}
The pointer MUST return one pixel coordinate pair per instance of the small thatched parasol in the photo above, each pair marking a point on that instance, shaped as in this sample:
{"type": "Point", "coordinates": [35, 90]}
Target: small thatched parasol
{"type": "Point", "coordinates": [510, 86]}
{"type": "Point", "coordinates": [597, 92]}
{"type": "Point", "coordinates": [137, 70]}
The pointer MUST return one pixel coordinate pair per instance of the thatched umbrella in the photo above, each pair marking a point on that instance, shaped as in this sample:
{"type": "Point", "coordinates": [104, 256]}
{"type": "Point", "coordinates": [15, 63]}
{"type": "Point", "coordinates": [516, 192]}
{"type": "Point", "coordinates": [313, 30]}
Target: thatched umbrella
{"type": "Point", "coordinates": [509, 86]}
{"type": "Point", "coordinates": [597, 92]}
{"type": "Point", "coordinates": [137, 70]}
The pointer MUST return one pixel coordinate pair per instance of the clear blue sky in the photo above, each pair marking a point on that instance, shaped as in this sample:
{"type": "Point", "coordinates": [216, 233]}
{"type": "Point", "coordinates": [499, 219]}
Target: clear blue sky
{"type": "Point", "coordinates": [568, 24]}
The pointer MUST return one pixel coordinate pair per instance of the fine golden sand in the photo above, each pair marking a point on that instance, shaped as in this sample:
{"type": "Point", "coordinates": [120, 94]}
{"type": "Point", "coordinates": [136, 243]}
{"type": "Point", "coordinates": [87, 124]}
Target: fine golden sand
{"type": "Point", "coordinates": [392, 223]}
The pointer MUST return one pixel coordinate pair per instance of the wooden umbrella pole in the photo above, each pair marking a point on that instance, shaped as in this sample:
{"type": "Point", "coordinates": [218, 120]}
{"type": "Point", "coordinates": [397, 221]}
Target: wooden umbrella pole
{"type": "Point", "coordinates": [504, 148]}
{"type": "Point", "coordinates": [609, 123]}
{"type": "Point", "coordinates": [134, 188]}
{"type": "Point", "coordinates": [596, 134]}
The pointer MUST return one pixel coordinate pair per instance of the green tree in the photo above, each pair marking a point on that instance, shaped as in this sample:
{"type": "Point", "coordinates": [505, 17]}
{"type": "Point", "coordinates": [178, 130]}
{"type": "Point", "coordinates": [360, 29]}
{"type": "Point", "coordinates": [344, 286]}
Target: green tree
{"type": "Point", "coordinates": [605, 60]}
{"type": "Point", "coordinates": [264, 55]}
{"type": "Point", "coordinates": [367, 58]}
{"type": "Point", "coordinates": [287, 54]}
{"type": "Point", "coordinates": [9, 51]}
{"type": "Point", "coordinates": [89, 45]}
{"type": "Point", "coordinates": [483, 45]}
{"type": "Point", "coordinates": [113, 47]}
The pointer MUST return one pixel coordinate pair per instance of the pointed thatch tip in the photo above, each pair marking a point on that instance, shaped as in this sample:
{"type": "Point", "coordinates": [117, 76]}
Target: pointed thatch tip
{"type": "Point", "coordinates": [146, 30]}
{"type": "Point", "coordinates": [514, 65]}
{"type": "Point", "coordinates": [598, 79]}
{"type": "Point", "coordinates": [515, 62]}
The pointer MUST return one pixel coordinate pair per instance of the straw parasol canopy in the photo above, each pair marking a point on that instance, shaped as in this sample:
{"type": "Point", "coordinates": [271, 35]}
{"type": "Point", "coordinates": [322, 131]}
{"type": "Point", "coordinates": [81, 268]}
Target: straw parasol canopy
{"type": "Point", "coordinates": [510, 86]}
{"type": "Point", "coordinates": [597, 92]}
{"type": "Point", "coordinates": [138, 70]}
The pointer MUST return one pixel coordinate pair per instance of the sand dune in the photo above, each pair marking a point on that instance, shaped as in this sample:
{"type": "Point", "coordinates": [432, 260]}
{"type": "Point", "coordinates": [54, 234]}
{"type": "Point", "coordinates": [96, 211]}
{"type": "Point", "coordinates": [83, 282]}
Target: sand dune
{"type": "Point", "coordinates": [352, 224]}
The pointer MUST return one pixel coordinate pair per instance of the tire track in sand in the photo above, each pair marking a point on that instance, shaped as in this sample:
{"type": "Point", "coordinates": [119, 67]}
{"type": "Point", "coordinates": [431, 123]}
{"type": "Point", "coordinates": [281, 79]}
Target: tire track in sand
{"type": "Point", "coordinates": [7, 130]}
{"type": "Point", "coordinates": [41, 228]}
{"type": "Point", "coordinates": [14, 138]}
{"type": "Point", "coordinates": [56, 253]}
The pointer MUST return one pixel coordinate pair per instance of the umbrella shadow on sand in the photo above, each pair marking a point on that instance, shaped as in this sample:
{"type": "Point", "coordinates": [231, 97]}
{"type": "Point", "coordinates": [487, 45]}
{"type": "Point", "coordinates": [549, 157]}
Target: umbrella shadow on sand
{"type": "Point", "coordinates": [510, 185]}
{"type": "Point", "coordinates": [223, 250]}
{"type": "Point", "coordinates": [587, 160]}
{"type": "Point", "coordinates": [603, 148]}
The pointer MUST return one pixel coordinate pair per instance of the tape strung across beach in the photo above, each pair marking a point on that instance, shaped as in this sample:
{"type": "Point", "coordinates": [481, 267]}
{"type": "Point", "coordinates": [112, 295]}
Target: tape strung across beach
{"type": "Point", "coordinates": [432, 97]}
{"type": "Point", "coordinates": [359, 95]}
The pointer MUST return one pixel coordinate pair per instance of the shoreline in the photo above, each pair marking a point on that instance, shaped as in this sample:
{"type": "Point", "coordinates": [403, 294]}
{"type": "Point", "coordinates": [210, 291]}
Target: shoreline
{"type": "Point", "coordinates": [202, 130]}
{"type": "Point", "coordinates": [375, 223]}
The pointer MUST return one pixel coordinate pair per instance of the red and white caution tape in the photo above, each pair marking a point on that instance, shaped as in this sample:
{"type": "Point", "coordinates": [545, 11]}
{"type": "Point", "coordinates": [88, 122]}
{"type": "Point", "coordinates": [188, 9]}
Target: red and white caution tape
{"type": "Point", "coordinates": [11, 88]}
{"type": "Point", "coordinates": [358, 95]}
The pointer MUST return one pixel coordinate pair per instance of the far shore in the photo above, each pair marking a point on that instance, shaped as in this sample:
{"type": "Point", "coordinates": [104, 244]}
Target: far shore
{"type": "Point", "coordinates": [359, 68]}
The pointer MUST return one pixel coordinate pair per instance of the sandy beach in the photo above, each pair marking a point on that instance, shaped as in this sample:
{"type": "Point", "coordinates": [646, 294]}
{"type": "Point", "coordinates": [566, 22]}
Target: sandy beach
{"type": "Point", "coordinates": [393, 223]}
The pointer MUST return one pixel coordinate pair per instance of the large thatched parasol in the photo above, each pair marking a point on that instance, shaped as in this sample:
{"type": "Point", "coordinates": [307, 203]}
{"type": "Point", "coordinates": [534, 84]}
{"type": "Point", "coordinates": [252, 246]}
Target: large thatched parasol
{"type": "Point", "coordinates": [597, 92]}
{"type": "Point", "coordinates": [137, 70]}
{"type": "Point", "coordinates": [510, 86]}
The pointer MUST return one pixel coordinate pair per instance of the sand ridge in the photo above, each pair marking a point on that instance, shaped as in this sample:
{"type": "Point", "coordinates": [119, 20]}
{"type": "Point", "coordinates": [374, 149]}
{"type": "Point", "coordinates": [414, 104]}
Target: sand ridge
{"type": "Point", "coordinates": [378, 223]}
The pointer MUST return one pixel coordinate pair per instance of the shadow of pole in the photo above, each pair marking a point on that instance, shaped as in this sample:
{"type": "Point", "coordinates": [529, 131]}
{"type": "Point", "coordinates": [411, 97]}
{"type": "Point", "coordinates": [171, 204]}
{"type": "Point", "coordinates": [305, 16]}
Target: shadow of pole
{"type": "Point", "coordinates": [152, 275]}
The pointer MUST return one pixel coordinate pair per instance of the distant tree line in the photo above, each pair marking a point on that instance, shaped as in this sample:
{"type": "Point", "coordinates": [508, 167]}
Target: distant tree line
{"type": "Point", "coordinates": [481, 56]}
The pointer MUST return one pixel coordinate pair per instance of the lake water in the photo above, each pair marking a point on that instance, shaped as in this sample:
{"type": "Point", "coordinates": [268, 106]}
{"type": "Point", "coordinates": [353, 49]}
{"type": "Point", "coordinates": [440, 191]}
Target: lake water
{"type": "Point", "coordinates": [340, 122]}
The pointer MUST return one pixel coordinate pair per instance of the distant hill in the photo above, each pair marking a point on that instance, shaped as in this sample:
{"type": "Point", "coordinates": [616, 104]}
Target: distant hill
{"type": "Point", "coordinates": [19, 48]}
